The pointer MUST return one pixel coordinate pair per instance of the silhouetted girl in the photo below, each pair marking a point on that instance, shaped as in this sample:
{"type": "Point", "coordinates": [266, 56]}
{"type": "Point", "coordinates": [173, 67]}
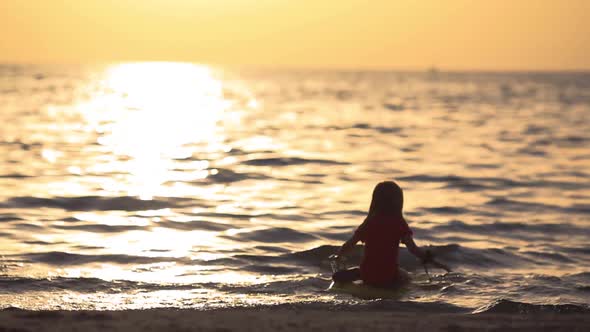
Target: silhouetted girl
{"type": "Point", "coordinates": [382, 231]}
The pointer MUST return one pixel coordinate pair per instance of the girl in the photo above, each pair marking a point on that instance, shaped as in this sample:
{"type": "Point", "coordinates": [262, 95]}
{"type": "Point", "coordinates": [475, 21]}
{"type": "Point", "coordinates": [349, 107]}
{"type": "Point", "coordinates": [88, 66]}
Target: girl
{"type": "Point", "coordinates": [381, 232]}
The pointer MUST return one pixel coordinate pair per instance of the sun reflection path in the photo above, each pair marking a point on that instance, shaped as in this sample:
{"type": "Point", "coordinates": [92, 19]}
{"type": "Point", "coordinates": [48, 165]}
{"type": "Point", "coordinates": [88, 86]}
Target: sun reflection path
{"type": "Point", "coordinates": [163, 107]}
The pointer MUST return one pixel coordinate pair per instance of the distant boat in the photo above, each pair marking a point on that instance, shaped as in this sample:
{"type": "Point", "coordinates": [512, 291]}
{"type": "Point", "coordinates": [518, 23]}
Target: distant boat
{"type": "Point", "coordinates": [433, 70]}
{"type": "Point", "coordinates": [432, 73]}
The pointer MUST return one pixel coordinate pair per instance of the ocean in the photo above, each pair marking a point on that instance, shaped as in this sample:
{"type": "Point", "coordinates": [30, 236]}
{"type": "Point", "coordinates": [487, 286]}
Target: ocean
{"type": "Point", "coordinates": [177, 185]}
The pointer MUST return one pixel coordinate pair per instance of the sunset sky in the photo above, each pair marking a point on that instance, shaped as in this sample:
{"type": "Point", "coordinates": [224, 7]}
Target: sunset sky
{"type": "Point", "coordinates": [398, 34]}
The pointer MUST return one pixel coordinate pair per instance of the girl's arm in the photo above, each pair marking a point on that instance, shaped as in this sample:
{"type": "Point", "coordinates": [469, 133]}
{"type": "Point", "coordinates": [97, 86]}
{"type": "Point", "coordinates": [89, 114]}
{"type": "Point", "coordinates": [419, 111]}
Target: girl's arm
{"type": "Point", "coordinates": [348, 245]}
{"type": "Point", "coordinates": [424, 255]}
{"type": "Point", "coordinates": [354, 239]}
{"type": "Point", "coordinates": [413, 248]}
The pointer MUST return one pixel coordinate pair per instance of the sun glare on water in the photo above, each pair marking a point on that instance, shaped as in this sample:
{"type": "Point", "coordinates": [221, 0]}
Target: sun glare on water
{"type": "Point", "coordinates": [163, 108]}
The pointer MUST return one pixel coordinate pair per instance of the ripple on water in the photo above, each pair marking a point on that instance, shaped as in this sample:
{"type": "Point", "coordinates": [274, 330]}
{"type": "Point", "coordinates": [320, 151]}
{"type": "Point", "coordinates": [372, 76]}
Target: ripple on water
{"type": "Point", "coordinates": [273, 235]}
{"type": "Point", "coordinates": [101, 228]}
{"type": "Point", "coordinates": [290, 161]}
{"type": "Point", "coordinates": [65, 258]}
{"type": "Point", "coordinates": [95, 203]}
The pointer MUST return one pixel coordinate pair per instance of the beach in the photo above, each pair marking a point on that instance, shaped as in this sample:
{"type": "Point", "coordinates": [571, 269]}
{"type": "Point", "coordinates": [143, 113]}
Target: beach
{"type": "Point", "coordinates": [284, 319]}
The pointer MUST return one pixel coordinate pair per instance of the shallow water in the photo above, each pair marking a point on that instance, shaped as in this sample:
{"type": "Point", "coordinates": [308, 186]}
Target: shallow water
{"type": "Point", "coordinates": [176, 185]}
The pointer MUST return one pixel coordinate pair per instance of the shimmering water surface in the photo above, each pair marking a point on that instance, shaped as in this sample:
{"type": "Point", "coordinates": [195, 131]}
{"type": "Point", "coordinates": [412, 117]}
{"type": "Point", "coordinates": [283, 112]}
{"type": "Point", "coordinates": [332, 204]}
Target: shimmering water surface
{"type": "Point", "coordinates": [177, 185]}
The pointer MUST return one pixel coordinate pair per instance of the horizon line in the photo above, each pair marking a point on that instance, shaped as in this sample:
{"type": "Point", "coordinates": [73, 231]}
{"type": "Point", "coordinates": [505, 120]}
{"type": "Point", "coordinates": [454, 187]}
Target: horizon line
{"type": "Point", "coordinates": [288, 67]}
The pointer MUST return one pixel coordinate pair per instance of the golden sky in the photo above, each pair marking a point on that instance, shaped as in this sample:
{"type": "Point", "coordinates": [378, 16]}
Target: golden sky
{"type": "Point", "coordinates": [398, 34]}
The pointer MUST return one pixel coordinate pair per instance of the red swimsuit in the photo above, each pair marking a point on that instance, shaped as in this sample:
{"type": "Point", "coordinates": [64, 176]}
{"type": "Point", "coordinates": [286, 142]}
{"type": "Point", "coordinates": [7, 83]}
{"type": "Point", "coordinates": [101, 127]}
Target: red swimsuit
{"type": "Point", "coordinates": [381, 235]}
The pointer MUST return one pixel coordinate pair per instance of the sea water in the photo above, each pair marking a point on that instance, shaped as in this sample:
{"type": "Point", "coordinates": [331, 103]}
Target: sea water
{"type": "Point", "coordinates": [146, 185]}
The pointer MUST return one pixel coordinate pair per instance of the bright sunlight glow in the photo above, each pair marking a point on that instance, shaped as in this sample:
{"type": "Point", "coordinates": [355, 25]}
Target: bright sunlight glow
{"type": "Point", "coordinates": [164, 108]}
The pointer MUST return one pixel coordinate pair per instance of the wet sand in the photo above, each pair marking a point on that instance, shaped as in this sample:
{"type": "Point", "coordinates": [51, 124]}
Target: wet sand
{"type": "Point", "coordinates": [283, 319]}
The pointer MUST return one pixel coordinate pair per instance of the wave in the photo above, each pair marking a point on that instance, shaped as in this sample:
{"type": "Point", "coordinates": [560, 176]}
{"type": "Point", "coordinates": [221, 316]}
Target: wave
{"type": "Point", "coordinates": [446, 210]}
{"type": "Point", "coordinates": [581, 275]}
{"type": "Point", "coordinates": [311, 284]}
{"type": "Point", "coordinates": [549, 256]}
{"type": "Point", "coordinates": [195, 225]}
{"type": "Point", "coordinates": [273, 235]}
{"type": "Point", "coordinates": [14, 176]}
{"type": "Point", "coordinates": [271, 269]}
{"type": "Point", "coordinates": [508, 229]}
{"type": "Point", "coordinates": [570, 141]}
{"type": "Point", "coordinates": [452, 254]}
{"type": "Point", "coordinates": [95, 203]}
{"type": "Point", "coordinates": [523, 206]}
{"type": "Point", "coordinates": [380, 129]}
{"type": "Point", "coordinates": [9, 217]}
{"type": "Point", "coordinates": [228, 176]}
{"type": "Point", "coordinates": [24, 284]}
{"type": "Point", "coordinates": [290, 161]}
{"type": "Point", "coordinates": [101, 228]}
{"type": "Point", "coordinates": [344, 213]}
{"type": "Point", "coordinates": [280, 262]}
{"type": "Point", "coordinates": [504, 306]}
{"type": "Point", "coordinates": [480, 183]}
{"type": "Point", "coordinates": [318, 254]}
{"type": "Point", "coordinates": [394, 106]}
{"type": "Point", "coordinates": [65, 258]}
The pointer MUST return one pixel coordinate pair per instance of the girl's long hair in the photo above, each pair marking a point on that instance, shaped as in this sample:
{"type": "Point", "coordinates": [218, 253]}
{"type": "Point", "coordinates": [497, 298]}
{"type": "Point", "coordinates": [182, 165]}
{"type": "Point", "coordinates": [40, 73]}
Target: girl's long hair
{"type": "Point", "coordinates": [388, 199]}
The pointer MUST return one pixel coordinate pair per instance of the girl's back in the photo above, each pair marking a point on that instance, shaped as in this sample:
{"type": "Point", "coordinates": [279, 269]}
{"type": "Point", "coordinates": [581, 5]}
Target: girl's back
{"type": "Point", "coordinates": [381, 235]}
